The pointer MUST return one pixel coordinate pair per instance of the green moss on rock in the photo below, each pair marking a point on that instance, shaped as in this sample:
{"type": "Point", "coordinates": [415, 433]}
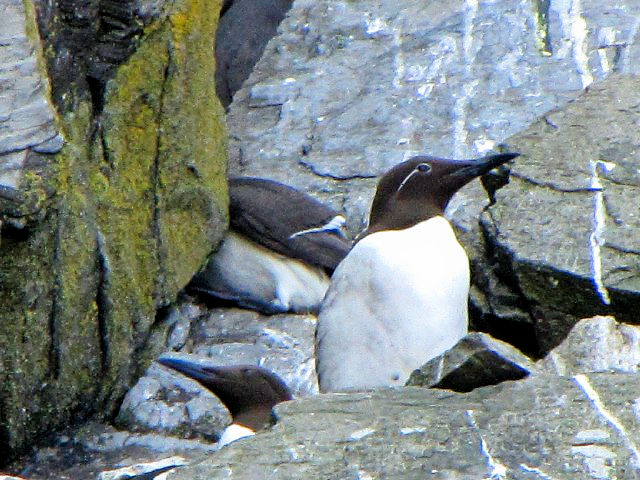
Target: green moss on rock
{"type": "Point", "coordinates": [140, 202]}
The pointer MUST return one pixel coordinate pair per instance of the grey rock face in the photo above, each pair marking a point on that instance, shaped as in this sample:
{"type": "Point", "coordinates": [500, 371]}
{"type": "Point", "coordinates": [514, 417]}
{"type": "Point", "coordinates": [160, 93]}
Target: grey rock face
{"type": "Point", "coordinates": [475, 361]}
{"type": "Point", "coordinates": [542, 427]}
{"type": "Point", "coordinates": [347, 90]}
{"type": "Point", "coordinates": [27, 116]}
{"type": "Point", "coordinates": [281, 343]}
{"type": "Point", "coordinates": [598, 344]}
{"type": "Point", "coordinates": [565, 229]}
{"type": "Point", "coordinates": [165, 402]}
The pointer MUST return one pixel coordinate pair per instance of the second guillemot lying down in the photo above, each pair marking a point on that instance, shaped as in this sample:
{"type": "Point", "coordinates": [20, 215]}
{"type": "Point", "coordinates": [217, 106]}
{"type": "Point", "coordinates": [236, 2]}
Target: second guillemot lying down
{"type": "Point", "coordinates": [276, 255]}
{"type": "Point", "coordinates": [249, 393]}
{"type": "Point", "coordinates": [399, 298]}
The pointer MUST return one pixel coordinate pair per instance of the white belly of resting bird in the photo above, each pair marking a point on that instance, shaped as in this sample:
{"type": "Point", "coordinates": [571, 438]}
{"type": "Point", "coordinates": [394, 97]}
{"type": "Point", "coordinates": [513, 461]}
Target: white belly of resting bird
{"type": "Point", "coordinates": [397, 300]}
{"type": "Point", "coordinates": [257, 272]}
{"type": "Point", "coordinates": [234, 432]}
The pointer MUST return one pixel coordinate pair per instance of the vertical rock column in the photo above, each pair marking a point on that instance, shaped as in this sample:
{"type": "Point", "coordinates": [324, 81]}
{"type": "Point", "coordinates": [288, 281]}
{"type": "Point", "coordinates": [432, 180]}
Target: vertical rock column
{"type": "Point", "coordinates": [103, 232]}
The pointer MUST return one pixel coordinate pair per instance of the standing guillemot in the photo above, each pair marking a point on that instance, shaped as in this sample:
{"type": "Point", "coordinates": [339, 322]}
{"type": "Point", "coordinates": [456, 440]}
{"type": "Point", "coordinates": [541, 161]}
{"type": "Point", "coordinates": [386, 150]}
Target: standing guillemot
{"type": "Point", "coordinates": [249, 393]}
{"type": "Point", "coordinates": [276, 255]}
{"type": "Point", "coordinates": [399, 298]}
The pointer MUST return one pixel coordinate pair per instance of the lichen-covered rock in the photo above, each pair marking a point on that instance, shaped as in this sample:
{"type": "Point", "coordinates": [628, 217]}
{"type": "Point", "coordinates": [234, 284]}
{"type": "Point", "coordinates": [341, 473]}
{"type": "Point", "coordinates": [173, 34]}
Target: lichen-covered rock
{"type": "Point", "coordinates": [128, 211]}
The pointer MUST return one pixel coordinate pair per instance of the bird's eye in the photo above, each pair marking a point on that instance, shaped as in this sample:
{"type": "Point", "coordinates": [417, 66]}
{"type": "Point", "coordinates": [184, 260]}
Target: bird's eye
{"type": "Point", "coordinates": [424, 168]}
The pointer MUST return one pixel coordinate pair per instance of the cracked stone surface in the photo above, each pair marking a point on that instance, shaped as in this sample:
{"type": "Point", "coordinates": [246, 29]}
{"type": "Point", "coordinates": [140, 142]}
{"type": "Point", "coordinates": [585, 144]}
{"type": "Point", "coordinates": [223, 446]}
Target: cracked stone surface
{"type": "Point", "coordinates": [541, 427]}
{"type": "Point", "coordinates": [565, 229]}
{"type": "Point", "coordinates": [347, 90]}
{"type": "Point", "coordinates": [598, 344]}
{"type": "Point", "coordinates": [27, 116]}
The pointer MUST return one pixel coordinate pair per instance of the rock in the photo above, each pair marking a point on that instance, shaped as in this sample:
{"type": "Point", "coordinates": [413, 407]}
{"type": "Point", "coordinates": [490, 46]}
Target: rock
{"type": "Point", "coordinates": [541, 427]}
{"type": "Point", "coordinates": [475, 361]}
{"type": "Point", "coordinates": [564, 230]}
{"type": "Point", "coordinates": [99, 237]}
{"type": "Point", "coordinates": [598, 344]}
{"type": "Point", "coordinates": [144, 471]}
{"type": "Point", "coordinates": [96, 448]}
{"type": "Point", "coordinates": [283, 344]}
{"type": "Point", "coordinates": [345, 90]}
{"type": "Point", "coordinates": [166, 402]}
{"type": "Point", "coordinates": [28, 118]}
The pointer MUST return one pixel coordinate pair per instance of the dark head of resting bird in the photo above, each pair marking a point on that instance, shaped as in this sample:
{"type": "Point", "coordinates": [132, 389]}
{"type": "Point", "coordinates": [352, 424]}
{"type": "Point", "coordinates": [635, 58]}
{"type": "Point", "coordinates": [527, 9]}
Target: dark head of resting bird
{"type": "Point", "coordinates": [249, 392]}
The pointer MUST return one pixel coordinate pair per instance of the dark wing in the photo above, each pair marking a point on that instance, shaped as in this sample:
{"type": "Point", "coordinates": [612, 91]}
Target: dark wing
{"type": "Point", "coordinates": [287, 221]}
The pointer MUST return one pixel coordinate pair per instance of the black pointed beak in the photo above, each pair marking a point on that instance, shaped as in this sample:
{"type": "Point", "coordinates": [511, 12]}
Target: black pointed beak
{"type": "Point", "coordinates": [481, 166]}
{"type": "Point", "coordinates": [188, 368]}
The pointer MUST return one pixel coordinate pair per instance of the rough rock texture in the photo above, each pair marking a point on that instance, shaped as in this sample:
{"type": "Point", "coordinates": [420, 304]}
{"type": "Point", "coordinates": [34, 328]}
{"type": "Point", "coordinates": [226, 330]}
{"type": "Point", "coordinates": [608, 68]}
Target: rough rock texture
{"type": "Point", "coordinates": [578, 427]}
{"type": "Point", "coordinates": [99, 237]}
{"type": "Point", "coordinates": [598, 344]}
{"type": "Point", "coordinates": [27, 116]}
{"type": "Point", "coordinates": [144, 471]}
{"type": "Point", "coordinates": [475, 361]}
{"type": "Point", "coordinates": [348, 89]}
{"type": "Point", "coordinates": [565, 230]}
{"type": "Point", "coordinates": [541, 427]}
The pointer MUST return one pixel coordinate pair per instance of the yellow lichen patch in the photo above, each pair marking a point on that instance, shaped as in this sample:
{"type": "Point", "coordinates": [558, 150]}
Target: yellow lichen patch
{"type": "Point", "coordinates": [140, 202]}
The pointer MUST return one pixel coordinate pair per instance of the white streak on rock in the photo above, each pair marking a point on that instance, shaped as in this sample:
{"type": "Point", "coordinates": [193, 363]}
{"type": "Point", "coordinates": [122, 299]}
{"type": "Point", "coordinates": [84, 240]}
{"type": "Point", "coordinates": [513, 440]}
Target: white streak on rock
{"type": "Point", "coordinates": [469, 83]}
{"type": "Point", "coordinates": [583, 382]}
{"type": "Point", "coordinates": [412, 430]}
{"type": "Point", "coordinates": [597, 238]}
{"type": "Point", "coordinates": [498, 470]}
{"type": "Point", "coordinates": [536, 471]}
{"type": "Point", "coordinates": [360, 434]}
{"type": "Point", "coordinates": [399, 65]}
{"type": "Point", "coordinates": [606, 38]}
{"type": "Point", "coordinates": [362, 475]}
{"type": "Point", "coordinates": [627, 50]}
{"type": "Point", "coordinates": [579, 32]}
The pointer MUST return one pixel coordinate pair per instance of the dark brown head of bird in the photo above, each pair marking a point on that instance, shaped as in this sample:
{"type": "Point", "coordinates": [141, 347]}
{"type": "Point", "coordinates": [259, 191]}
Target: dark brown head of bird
{"type": "Point", "coordinates": [421, 188]}
{"type": "Point", "coordinates": [249, 392]}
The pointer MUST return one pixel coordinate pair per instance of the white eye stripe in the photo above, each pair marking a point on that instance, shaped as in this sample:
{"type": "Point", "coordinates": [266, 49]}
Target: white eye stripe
{"type": "Point", "coordinates": [420, 168]}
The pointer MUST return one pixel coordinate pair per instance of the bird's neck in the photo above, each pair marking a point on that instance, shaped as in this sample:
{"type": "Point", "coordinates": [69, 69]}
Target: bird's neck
{"type": "Point", "coordinates": [408, 215]}
{"type": "Point", "coordinates": [256, 418]}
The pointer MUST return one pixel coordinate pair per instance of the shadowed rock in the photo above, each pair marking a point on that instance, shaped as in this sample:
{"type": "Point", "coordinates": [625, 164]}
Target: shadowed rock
{"type": "Point", "coordinates": [475, 361]}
